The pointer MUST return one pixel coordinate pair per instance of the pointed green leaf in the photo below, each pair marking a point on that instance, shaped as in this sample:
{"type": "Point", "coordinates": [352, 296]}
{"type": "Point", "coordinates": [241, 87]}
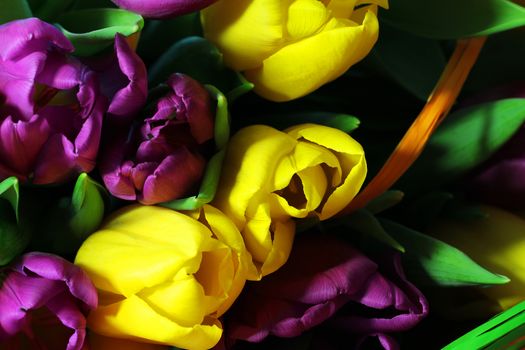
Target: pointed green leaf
{"type": "Point", "coordinates": [433, 262]}
{"type": "Point", "coordinates": [384, 201]}
{"type": "Point", "coordinates": [49, 10]}
{"type": "Point", "coordinates": [504, 331]}
{"type": "Point", "coordinates": [87, 206]}
{"type": "Point", "coordinates": [212, 172]}
{"type": "Point", "coordinates": [93, 30]}
{"type": "Point", "coordinates": [14, 9]}
{"type": "Point", "coordinates": [9, 191]}
{"type": "Point", "coordinates": [453, 19]}
{"type": "Point", "coordinates": [413, 62]}
{"type": "Point", "coordinates": [198, 58]}
{"type": "Point", "coordinates": [366, 223]}
{"type": "Point", "coordinates": [465, 139]}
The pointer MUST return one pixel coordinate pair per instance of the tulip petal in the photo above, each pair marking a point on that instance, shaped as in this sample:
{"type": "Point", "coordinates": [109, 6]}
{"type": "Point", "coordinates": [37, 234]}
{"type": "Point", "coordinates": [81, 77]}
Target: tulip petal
{"type": "Point", "coordinates": [280, 78]}
{"type": "Point", "coordinates": [247, 32]}
{"type": "Point", "coordinates": [137, 260]}
{"type": "Point", "coordinates": [351, 159]}
{"type": "Point", "coordinates": [139, 321]}
{"type": "Point", "coordinates": [305, 17]}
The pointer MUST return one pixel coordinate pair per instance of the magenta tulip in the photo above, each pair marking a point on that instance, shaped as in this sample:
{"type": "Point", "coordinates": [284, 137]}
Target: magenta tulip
{"type": "Point", "coordinates": [51, 107]}
{"type": "Point", "coordinates": [328, 282]}
{"type": "Point", "coordinates": [163, 8]}
{"type": "Point", "coordinates": [44, 301]}
{"type": "Point", "coordinates": [164, 155]}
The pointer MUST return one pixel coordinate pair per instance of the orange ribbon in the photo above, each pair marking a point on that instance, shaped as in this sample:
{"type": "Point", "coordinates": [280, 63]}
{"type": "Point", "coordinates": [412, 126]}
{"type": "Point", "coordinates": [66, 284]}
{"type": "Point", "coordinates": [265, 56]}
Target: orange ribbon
{"type": "Point", "coordinates": [437, 107]}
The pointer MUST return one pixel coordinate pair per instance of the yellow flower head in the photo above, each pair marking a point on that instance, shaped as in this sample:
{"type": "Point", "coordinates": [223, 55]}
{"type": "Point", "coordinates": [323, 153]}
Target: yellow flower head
{"type": "Point", "coordinates": [163, 276]}
{"type": "Point", "coordinates": [270, 177]}
{"type": "Point", "coordinates": [496, 243]}
{"type": "Point", "coordinates": [289, 48]}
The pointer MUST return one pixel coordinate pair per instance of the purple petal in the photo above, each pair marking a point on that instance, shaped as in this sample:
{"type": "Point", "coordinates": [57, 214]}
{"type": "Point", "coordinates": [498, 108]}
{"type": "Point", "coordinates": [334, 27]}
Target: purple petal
{"type": "Point", "coordinates": [20, 143]}
{"type": "Point", "coordinates": [163, 8]}
{"type": "Point", "coordinates": [131, 97]}
{"type": "Point", "coordinates": [39, 280]}
{"type": "Point", "coordinates": [32, 35]}
{"type": "Point", "coordinates": [174, 177]}
{"type": "Point", "coordinates": [197, 106]}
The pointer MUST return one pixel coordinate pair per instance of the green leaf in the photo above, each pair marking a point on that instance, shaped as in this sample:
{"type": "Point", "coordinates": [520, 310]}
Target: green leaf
{"type": "Point", "coordinates": [281, 121]}
{"type": "Point", "coordinates": [87, 206]}
{"type": "Point", "coordinates": [198, 58]}
{"type": "Point", "coordinates": [385, 201]}
{"type": "Point", "coordinates": [9, 191]}
{"type": "Point", "coordinates": [48, 10]}
{"type": "Point", "coordinates": [158, 35]}
{"type": "Point", "coordinates": [13, 239]}
{"type": "Point", "coordinates": [504, 331]}
{"type": "Point", "coordinates": [432, 262]}
{"type": "Point", "coordinates": [366, 223]}
{"type": "Point", "coordinates": [453, 19]}
{"type": "Point", "coordinates": [212, 172]}
{"type": "Point", "coordinates": [413, 62]}
{"type": "Point", "coordinates": [93, 30]}
{"type": "Point", "coordinates": [465, 139]}
{"type": "Point", "coordinates": [14, 9]}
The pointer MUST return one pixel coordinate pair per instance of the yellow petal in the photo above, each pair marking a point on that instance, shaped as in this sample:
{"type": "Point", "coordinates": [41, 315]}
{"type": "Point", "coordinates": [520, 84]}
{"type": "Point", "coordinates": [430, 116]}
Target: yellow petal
{"type": "Point", "coordinates": [341, 8]}
{"type": "Point", "coordinates": [181, 300]}
{"type": "Point", "coordinates": [140, 247]}
{"type": "Point", "coordinates": [305, 17]}
{"type": "Point", "coordinates": [134, 319]}
{"type": "Point", "coordinates": [351, 159]}
{"type": "Point", "coordinates": [246, 31]}
{"type": "Point", "coordinates": [300, 68]}
{"type": "Point", "coordinates": [252, 156]}
{"type": "Point", "coordinates": [284, 233]}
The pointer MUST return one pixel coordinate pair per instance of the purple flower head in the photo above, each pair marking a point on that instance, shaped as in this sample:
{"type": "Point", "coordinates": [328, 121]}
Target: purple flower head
{"type": "Point", "coordinates": [163, 8]}
{"type": "Point", "coordinates": [162, 157]}
{"type": "Point", "coordinates": [44, 301]}
{"type": "Point", "coordinates": [326, 281]}
{"type": "Point", "coordinates": [51, 108]}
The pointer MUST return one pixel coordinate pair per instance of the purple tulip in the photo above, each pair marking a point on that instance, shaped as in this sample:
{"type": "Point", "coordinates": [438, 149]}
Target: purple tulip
{"type": "Point", "coordinates": [163, 157]}
{"type": "Point", "coordinates": [163, 8]}
{"type": "Point", "coordinates": [44, 301]}
{"type": "Point", "coordinates": [326, 281]}
{"type": "Point", "coordinates": [51, 107]}
{"type": "Point", "coordinates": [500, 180]}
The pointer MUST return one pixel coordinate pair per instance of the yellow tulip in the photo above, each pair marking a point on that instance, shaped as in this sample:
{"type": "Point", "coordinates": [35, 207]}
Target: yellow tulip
{"type": "Point", "coordinates": [270, 177]}
{"type": "Point", "coordinates": [165, 277]}
{"type": "Point", "coordinates": [289, 48]}
{"type": "Point", "coordinates": [496, 243]}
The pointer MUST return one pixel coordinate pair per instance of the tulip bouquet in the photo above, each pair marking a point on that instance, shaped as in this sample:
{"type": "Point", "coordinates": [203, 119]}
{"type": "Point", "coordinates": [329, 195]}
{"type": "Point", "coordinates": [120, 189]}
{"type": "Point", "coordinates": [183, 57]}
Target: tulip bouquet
{"type": "Point", "coordinates": [262, 174]}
